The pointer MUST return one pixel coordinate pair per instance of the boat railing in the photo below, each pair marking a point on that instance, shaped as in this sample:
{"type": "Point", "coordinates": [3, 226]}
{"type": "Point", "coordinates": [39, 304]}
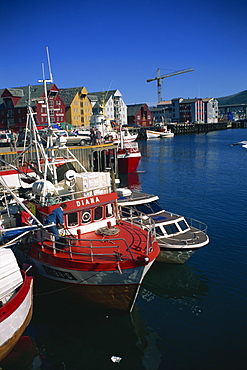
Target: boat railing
{"type": "Point", "coordinates": [89, 248]}
{"type": "Point", "coordinates": [92, 248]}
{"type": "Point", "coordinates": [197, 228]}
{"type": "Point", "coordinates": [141, 220]}
{"type": "Point", "coordinates": [195, 224]}
{"type": "Point", "coordinates": [131, 145]}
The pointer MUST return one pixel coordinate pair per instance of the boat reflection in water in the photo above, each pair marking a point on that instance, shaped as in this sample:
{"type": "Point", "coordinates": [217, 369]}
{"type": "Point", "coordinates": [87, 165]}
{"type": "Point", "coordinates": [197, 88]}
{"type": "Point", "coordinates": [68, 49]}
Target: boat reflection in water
{"type": "Point", "coordinates": [174, 281]}
{"type": "Point", "coordinates": [83, 338]}
{"type": "Point", "coordinates": [179, 290]}
{"type": "Point", "coordinates": [23, 356]}
{"type": "Point", "coordinates": [130, 180]}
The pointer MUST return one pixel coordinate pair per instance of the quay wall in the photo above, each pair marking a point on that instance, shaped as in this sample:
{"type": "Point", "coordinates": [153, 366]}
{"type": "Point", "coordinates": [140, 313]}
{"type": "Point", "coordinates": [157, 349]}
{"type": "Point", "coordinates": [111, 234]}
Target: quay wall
{"type": "Point", "coordinates": [195, 128]}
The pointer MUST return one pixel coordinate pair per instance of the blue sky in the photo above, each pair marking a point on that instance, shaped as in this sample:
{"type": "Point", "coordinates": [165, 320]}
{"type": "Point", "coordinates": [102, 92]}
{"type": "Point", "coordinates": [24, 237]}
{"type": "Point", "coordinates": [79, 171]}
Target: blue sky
{"type": "Point", "coordinates": [120, 44]}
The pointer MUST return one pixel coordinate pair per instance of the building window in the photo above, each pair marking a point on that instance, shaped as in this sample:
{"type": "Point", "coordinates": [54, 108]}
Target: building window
{"type": "Point", "coordinates": [11, 122]}
{"type": "Point", "coordinates": [11, 113]}
{"type": "Point", "coordinates": [75, 102]}
{"type": "Point", "coordinates": [58, 102]}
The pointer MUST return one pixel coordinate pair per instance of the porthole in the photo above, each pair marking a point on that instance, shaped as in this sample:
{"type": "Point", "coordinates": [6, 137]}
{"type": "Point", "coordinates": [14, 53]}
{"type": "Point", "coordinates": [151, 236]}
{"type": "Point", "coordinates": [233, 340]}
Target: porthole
{"type": "Point", "coordinates": [86, 217]}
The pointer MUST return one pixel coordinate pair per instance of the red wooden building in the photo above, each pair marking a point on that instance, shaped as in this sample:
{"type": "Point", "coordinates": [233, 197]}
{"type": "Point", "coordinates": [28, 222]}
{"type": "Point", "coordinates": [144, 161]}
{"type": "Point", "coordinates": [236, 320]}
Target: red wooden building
{"type": "Point", "coordinates": [13, 106]}
{"type": "Point", "coordinates": [139, 114]}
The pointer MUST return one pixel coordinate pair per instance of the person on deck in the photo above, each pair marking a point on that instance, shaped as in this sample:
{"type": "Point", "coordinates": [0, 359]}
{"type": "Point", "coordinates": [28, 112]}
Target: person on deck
{"type": "Point", "coordinates": [56, 217]}
{"type": "Point", "coordinates": [98, 136]}
{"type": "Point", "coordinates": [13, 140]}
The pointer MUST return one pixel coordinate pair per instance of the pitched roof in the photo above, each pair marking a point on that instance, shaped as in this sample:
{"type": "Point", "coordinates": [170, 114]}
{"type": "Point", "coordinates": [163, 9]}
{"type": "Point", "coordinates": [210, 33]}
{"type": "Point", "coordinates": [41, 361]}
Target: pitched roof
{"type": "Point", "coordinates": [102, 95]}
{"type": "Point", "coordinates": [133, 109]}
{"type": "Point", "coordinates": [36, 91]}
{"type": "Point", "coordinates": [68, 94]}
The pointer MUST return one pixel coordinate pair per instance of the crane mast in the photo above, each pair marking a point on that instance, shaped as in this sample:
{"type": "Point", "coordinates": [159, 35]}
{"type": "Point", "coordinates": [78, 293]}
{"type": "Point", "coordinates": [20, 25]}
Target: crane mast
{"type": "Point", "coordinates": [159, 78]}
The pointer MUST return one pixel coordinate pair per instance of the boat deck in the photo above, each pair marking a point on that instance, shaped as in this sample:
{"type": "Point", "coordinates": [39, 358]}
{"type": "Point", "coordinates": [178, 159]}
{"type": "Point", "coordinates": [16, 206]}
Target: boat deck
{"type": "Point", "coordinates": [128, 244]}
{"type": "Point", "coordinates": [193, 238]}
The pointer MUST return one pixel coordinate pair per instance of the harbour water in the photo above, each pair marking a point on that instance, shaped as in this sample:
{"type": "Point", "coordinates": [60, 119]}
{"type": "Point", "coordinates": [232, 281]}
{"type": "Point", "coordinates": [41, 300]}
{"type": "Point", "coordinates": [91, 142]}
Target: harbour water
{"type": "Point", "coordinates": [186, 317]}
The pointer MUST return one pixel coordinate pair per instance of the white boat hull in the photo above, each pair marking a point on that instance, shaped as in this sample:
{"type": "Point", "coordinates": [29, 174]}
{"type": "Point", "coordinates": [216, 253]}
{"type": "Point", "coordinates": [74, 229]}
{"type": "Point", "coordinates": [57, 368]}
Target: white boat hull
{"type": "Point", "coordinates": [15, 317]}
{"type": "Point", "coordinates": [115, 289]}
{"type": "Point", "coordinates": [166, 134]}
{"type": "Point", "coordinates": [152, 134]}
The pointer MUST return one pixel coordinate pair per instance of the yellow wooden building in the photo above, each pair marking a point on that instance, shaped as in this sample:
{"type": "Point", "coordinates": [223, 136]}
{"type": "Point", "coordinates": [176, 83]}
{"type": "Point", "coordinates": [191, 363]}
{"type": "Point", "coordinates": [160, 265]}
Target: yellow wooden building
{"type": "Point", "coordinates": [78, 106]}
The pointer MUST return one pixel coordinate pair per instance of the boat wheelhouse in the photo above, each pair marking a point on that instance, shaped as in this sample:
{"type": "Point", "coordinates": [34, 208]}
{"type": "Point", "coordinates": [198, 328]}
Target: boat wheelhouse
{"type": "Point", "coordinates": [178, 237]}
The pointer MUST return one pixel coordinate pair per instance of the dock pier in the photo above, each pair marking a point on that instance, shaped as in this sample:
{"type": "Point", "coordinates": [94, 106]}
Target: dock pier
{"type": "Point", "coordinates": [194, 128]}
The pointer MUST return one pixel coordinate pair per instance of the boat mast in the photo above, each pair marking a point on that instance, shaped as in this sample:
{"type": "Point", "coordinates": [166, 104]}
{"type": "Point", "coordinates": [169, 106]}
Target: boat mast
{"type": "Point", "coordinates": [49, 130]}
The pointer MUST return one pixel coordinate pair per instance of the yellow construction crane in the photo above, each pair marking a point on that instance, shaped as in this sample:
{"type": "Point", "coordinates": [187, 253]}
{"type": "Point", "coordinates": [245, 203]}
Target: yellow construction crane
{"type": "Point", "coordinates": [159, 78]}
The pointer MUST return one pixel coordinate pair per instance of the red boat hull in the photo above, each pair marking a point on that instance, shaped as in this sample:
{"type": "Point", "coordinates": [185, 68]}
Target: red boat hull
{"type": "Point", "coordinates": [128, 164]}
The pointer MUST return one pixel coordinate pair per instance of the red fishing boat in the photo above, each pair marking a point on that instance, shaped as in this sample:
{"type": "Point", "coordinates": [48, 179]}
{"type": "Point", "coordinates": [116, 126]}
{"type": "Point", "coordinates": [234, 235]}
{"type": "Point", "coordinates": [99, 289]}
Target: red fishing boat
{"type": "Point", "coordinates": [97, 258]}
{"type": "Point", "coordinates": [128, 158]}
{"type": "Point", "coordinates": [16, 301]}
{"type": "Point", "coordinates": [128, 155]}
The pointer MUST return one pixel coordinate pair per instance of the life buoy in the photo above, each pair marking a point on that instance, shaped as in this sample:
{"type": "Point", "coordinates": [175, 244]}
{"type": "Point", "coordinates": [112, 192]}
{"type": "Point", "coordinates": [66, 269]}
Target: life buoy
{"type": "Point", "coordinates": [86, 216]}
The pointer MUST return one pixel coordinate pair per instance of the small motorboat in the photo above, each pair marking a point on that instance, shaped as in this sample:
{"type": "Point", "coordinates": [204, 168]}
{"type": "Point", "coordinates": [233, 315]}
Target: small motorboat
{"type": "Point", "coordinates": [151, 134]}
{"type": "Point", "coordinates": [178, 237]}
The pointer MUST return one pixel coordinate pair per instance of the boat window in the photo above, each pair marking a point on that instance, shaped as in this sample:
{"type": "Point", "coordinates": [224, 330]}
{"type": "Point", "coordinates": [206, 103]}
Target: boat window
{"type": "Point", "coordinates": [86, 216]}
{"type": "Point", "coordinates": [159, 231]}
{"type": "Point", "coordinates": [183, 225]}
{"type": "Point", "coordinates": [125, 211]}
{"type": "Point", "coordinates": [98, 213]}
{"type": "Point", "coordinates": [109, 210]}
{"type": "Point", "coordinates": [72, 219]}
{"type": "Point", "coordinates": [155, 207]}
{"type": "Point", "coordinates": [171, 229]}
{"type": "Point", "coordinates": [145, 208]}
{"type": "Point", "coordinates": [133, 211]}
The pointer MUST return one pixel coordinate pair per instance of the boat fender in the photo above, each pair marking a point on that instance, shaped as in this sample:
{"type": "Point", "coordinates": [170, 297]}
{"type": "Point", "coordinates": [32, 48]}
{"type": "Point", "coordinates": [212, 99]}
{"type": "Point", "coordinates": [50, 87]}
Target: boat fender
{"type": "Point", "coordinates": [86, 217]}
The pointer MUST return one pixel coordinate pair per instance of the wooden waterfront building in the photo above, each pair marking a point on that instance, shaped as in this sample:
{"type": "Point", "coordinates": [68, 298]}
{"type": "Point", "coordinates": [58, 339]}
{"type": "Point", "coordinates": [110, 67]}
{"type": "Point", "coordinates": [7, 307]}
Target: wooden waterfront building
{"type": "Point", "coordinates": [139, 114]}
{"type": "Point", "coordinates": [78, 106]}
{"type": "Point", "coordinates": [13, 106]}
